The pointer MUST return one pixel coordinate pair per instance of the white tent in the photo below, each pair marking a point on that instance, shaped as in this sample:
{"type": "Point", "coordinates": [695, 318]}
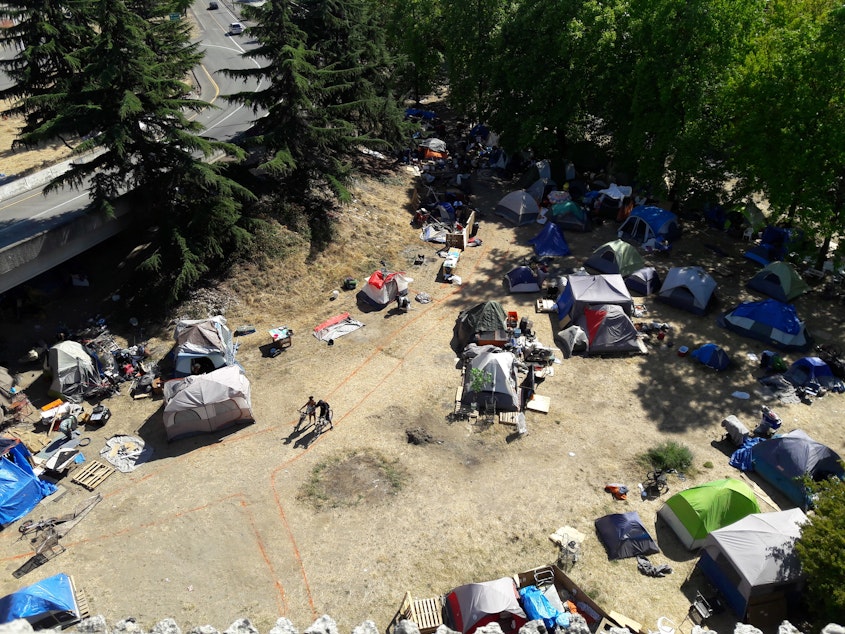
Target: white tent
{"type": "Point", "coordinates": [72, 368]}
{"type": "Point", "coordinates": [206, 402]}
{"type": "Point", "coordinates": [518, 207]}
{"type": "Point", "coordinates": [201, 340]}
{"type": "Point", "coordinates": [500, 390]}
{"type": "Point", "coordinates": [381, 288]}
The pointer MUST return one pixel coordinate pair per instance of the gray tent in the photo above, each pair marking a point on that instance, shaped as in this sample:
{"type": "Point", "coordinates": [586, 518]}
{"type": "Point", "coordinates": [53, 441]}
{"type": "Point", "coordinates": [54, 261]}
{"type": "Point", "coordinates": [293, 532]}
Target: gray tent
{"type": "Point", "coordinates": [754, 566]}
{"type": "Point", "coordinates": [73, 370]}
{"type": "Point", "coordinates": [485, 317]}
{"type": "Point", "coordinates": [501, 390]}
{"type": "Point", "coordinates": [690, 288]}
{"type": "Point", "coordinates": [609, 330]}
{"type": "Point", "coordinates": [582, 290]}
{"type": "Point", "coordinates": [518, 207]}
{"type": "Point", "coordinates": [208, 342]}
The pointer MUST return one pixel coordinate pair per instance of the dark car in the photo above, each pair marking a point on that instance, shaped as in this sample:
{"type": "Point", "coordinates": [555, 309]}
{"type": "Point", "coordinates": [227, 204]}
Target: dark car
{"type": "Point", "coordinates": [212, 6]}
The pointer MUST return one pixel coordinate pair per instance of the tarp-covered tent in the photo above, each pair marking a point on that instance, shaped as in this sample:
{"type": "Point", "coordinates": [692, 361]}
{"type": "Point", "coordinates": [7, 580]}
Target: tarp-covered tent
{"type": "Point", "coordinates": [550, 242]}
{"type": "Point", "coordinates": [501, 389]}
{"type": "Point", "coordinates": [650, 225]}
{"type": "Point", "coordinates": [689, 288]}
{"type": "Point", "coordinates": [518, 207]}
{"type": "Point", "coordinates": [570, 216]}
{"type": "Point", "coordinates": [206, 402]}
{"type": "Point", "coordinates": [643, 282]}
{"type": "Point", "coordinates": [773, 246]}
{"type": "Point", "coordinates": [581, 290]}
{"type": "Point", "coordinates": [73, 370]}
{"type": "Point", "coordinates": [809, 370]}
{"type": "Point", "coordinates": [484, 317]}
{"type": "Point", "coordinates": [694, 513]}
{"type": "Point", "coordinates": [754, 566]}
{"type": "Point", "coordinates": [616, 256]}
{"type": "Point", "coordinates": [20, 489]}
{"type": "Point", "coordinates": [609, 330]}
{"type": "Point", "coordinates": [770, 321]}
{"type": "Point", "coordinates": [208, 342]}
{"type": "Point", "coordinates": [780, 281]}
{"type": "Point", "coordinates": [48, 603]}
{"type": "Point", "coordinates": [432, 143]}
{"type": "Point", "coordinates": [474, 605]}
{"type": "Point", "coordinates": [712, 356]}
{"type": "Point", "coordinates": [382, 288]}
{"type": "Point", "coordinates": [624, 535]}
{"type": "Point", "coordinates": [784, 460]}
{"type": "Point", "coordinates": [522, 280]}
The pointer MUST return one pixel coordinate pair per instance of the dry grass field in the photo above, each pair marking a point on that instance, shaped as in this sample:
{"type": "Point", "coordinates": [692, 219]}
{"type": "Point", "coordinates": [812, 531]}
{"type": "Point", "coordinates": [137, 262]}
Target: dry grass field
{"type": "Point", "coordinates": [263, 521]}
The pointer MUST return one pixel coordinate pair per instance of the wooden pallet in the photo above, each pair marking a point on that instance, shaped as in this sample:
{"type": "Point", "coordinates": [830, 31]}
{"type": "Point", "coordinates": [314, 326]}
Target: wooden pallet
{"type": "Point", "coordinates": [426, 613]}
{"type": "Point", "coordinates": [508, 418]}
{"type": "Point", "coordinates": [92, 475]}
{"type": "Point", "coordinates": [82, 605]}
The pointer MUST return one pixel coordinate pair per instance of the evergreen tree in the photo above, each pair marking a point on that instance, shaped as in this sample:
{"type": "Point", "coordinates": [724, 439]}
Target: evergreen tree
{"type": "Point", "coordinates": [48, 36]}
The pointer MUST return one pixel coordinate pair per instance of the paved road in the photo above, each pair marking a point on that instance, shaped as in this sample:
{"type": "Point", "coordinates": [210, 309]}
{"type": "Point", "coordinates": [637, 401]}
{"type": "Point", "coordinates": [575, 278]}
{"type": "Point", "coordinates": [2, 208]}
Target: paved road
{"type": "Point", "coordinates": [31, 212]}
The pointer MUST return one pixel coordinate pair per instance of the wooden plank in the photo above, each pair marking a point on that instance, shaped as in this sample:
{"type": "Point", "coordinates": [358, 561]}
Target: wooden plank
{"type": "Point", "coordinates": [539, 403]}
{"type": "Point", "coordinates": [508, 418]}
{"type": "Point", "coordinates": [760, 493]}
{"type": "Point", "coordinates": [92, 475]}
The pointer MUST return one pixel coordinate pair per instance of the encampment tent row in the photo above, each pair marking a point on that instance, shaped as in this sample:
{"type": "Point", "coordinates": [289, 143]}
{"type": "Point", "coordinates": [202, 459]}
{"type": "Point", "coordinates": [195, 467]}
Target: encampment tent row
{"type": "Point", "coordinates": [694, 513]}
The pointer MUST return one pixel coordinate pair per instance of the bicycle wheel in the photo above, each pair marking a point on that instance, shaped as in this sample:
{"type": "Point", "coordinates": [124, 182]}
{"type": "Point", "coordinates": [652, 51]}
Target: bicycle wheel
{"type": "Point", "coordinates": [26, 526]}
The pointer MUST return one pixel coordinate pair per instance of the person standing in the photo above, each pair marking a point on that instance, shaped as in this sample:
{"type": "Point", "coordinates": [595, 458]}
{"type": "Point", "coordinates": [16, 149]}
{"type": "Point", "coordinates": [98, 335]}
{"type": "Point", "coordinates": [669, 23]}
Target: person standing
{"type": "Point", "coordinates": [310, 408]}
{"type": "Point", "coordinates": [325, 412]}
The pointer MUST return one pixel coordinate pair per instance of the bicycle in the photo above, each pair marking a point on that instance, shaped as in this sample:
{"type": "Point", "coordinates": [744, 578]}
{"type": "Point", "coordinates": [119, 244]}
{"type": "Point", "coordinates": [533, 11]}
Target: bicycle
{"type": "Point", "coordinates": [31, 526]}
{"type": "Point", "coordinates": [322, 422]}
{"type": "Point", "coordinates": [656, 483]}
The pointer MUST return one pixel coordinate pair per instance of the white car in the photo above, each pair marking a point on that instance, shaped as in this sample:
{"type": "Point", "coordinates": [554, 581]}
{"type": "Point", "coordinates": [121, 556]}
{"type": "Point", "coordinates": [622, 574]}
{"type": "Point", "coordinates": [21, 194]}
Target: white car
{"type": "Point", "coordinates": [236, 28]}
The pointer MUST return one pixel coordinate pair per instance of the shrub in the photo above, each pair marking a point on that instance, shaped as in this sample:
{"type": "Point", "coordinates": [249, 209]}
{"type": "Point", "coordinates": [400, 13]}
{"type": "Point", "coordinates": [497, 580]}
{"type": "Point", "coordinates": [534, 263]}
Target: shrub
{"type": "Point", "coordinates": [668, 455]}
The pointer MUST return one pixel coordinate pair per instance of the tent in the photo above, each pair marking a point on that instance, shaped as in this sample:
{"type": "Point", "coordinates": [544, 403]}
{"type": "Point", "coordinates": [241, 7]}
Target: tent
{"type": "Point", "coordinates": [382, 288]}
{"type": "Point", "coordinates": [518, 207]}
{"type": "Point", "coordinates": [609, 330]}
{"type": "Point", "coordinates": [689, 288]}
{"type": "Point", "coordinates": [624, 535]}
{"type": "Point", "coordinates": [550, 242]}
{"type": "Point", "coordinates": [753, 564]}
{"type": "Point", "coordinates": [433, 144]}
{"type": "Point", "coordinates": [580, 290]}
{"type": "Point", "coordinates": [73, 370]}
{"type": "Point", "coordinates": [20, 490]}
{"type": "Point", "coordinates": [649, 226]}
{"type": "Point", "coordinates": [501, 390]}
{"type": "Point", "coordinates": [770, 321]}
{"type": "Point", "coordinates": [522, 280]}
{"type": "Point", "coordinates": [48, 603]}
{"type": "Point", "coordinates": [484, 317]}
{"type": "Point", "coordinates": [694, 513]}
{"type": "Point", "coordinates": [617, 256]}
{"type": "Point", "coordinates": [207, 342]}
{"type": "Point", "coordinates": [643, 282]}
{"type": "Point", "coordinates": [808, 370]}
{"type": "Point", "coordinates": [773, 246]}
{"type": "Point", "coordinates": [539, 188]}
{"type": "Point", "coordinates": [780, 281]}
{"type": "Point", "coordinates": [712, 356]}
{"type": "Point", "coordinates": [206, 402]}
{"type": "Point", "coordinates": [784, 460]}
{"type": "Point", "coordinates": [474, 605]}
{"type": "Point", "coordinates": [570, 216]}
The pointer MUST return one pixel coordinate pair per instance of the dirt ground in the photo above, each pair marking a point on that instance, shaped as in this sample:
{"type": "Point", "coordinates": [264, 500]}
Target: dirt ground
{"type": "Point", "coordinates": [215, 528]}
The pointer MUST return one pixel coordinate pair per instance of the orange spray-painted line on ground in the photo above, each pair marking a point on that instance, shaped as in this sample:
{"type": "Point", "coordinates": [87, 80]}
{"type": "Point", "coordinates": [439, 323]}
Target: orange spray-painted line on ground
{"type": "Point", "coordinates": [282, 601]}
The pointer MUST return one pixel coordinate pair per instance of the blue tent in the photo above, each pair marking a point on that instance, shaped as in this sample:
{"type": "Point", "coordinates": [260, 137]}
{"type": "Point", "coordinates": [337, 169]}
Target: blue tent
{"type": "Point", "coordinates": [809, 370]}
{"type": "Point", "coordinates": [784, 460]}
{"type": "Point", "coordinates": [44, 604]}
{"type": "Point", "coordinates": [624, 535]}
{"type": "Point", "coordinates": [522, 280]}
{"type": "Point", "coordinates": [774, 245]}
{"type": "Point", "coordinates": [770, 321]}
{"type": "Point", "coordinates": [643, 282]}
{"type": "Point", "coordinates": [20, 490]}
{"type": "Point", "coordinates": [650, 223]}
{"type": "Point", "coordinates": [712, 356]}
{"type": "Point", "coordinates": [550, 242]}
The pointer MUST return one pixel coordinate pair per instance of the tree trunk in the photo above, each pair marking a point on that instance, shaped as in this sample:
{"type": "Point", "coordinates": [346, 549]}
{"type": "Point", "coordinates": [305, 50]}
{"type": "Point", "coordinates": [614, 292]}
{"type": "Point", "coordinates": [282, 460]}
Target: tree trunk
{"type": "Point", "coordinates": [838, 204]}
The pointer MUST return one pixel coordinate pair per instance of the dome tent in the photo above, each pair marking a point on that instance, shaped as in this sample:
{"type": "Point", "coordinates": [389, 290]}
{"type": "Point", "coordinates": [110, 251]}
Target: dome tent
{"type": "Point", "coordinates": [518, 207]}
{"type": "Point", "coordinates": [689, 288]}
{"type": "Point", "coordinates": [73, 370]}
{"type": "Point", "coordinates": [712, 356]}
{"type": "Point", "coordinates": [522, 280]}
{"type": "Point", "coordinates": [650, 226]}
{"type": "Point", "coordinates": [694, 513]}
{"type": "Point", "coordinates": [780, 281]}
{"type": "Point", "coordinates": [483, 317]}
{"type": "Point", "coordinates": [550, 242]}
{"type": "Point", "coordinates": [624, 535]}
{"type": "Point", "coordinates": [770, 321]}
{"type": "Point", "coordinates": [616, 256]}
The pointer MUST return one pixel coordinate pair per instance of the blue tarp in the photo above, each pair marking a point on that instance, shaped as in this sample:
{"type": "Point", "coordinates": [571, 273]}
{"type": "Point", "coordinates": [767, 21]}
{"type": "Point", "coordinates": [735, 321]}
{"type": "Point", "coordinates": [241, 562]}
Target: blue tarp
{"type": "Point", "coordinates": [47, 597]}
{"type": "Point", "coordinates": [550, 242]}
{"type": "Point", "coordinates": [20, 490]}
{"type": "Point", "coordinates": [712, 356]}
{"type": "Point", "coordinates": [774, 245]}
{"type": "Point", "coordinates": [741, 458]}
{"type": "Point", "coordinates": [537, 607]}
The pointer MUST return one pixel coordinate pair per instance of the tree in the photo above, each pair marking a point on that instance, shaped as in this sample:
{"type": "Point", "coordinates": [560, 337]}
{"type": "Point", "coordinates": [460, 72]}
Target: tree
{"type": "Point", "coordinates": [413, 33]}
{"type": "Point", "coordinates": [821, 550]}
{"type": "Point", "coordinates": [48, 36]}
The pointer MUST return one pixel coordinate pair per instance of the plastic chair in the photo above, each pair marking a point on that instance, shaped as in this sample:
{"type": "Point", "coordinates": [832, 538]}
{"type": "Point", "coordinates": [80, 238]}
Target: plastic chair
{"type": "Point", "coordinates": [665, 625]}
{"type": "Point", "coordinates": [748, 234]}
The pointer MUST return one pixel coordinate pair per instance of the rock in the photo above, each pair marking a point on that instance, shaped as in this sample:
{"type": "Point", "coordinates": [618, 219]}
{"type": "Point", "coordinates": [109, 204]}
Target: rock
{"type": "Point", "coordinates": [18, 626]}
{"type": "Point", "coordinates": [418, 436]}
{"type": "Point", "coordinates": [788, 628]}
{"type": "Point", "coordinates": [443, 629]}
{"type": "Point", "coordinates": [284, 626]}
{"type": "Point", "coordinates": [127, 626]}
{"type": "Point", "coordinates": [833, 628]}
{"type": "Point", "coordinates": [166, 626]}
{"type": "Point", "coordinates": [745, 628]}
{"type": "Point", "coordinates": [204, 629]}
{"type": "Point", "coordinates": [324, 625]}
{"type": "Point", "coordinates": [367, 627]}
{"type": "Point", "coordinates": [93, 625]}
{"type": "Point", "coordinates": [533, 627]}
{"type": "Point", "coordinates": [242, 626]}
{"type": "Point", "coordinates": [490, 628]}
{"type": "Point", "coordinates": [406, 626]}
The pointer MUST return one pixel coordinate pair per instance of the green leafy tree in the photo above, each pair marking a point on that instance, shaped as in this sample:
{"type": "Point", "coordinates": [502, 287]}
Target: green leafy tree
{"type": "Point", "coordinates": [47, 36]}
{"type": "Point", "coordinates": [414, 35]}
{"type": "Point", "coordinates": [821, 550]}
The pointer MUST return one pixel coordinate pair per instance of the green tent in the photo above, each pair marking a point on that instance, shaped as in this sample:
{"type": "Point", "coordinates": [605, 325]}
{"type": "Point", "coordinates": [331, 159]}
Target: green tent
{"type": "Point", "coordinates": [484, 317]}
{"type": "Point", "coordinates": [694, 513]}
{"type": "Point", "coordinates": [614, 257]}
{"type": "Point", "coordinates": [780, 281]}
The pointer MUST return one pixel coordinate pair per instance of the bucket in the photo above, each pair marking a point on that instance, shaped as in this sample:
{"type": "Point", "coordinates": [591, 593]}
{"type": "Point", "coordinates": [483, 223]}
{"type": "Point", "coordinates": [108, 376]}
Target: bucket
{"type": "Point", "coordinates": [683, 351]}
